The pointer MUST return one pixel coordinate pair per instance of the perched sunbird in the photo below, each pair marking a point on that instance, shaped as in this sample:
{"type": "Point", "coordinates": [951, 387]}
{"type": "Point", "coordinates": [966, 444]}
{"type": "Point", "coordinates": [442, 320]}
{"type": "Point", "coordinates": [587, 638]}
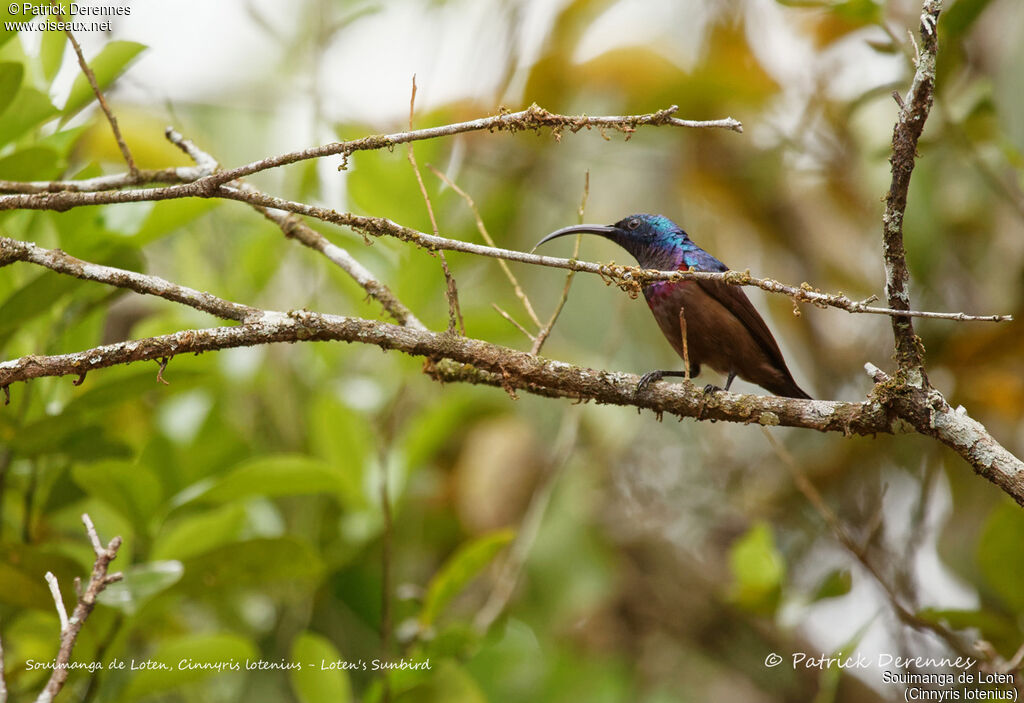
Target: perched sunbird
{"type": "Point", "coordinates": [723, 329]}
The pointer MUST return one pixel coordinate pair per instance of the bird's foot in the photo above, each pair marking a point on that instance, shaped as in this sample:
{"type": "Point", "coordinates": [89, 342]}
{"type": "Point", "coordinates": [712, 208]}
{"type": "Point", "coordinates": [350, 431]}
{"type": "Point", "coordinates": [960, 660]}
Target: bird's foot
{"type": "Point", "coordinates": [647, 379]}
{"type": "Point", "coordinates": [652, 376]}
{"type": "Point", "coordinates": [712, 388]}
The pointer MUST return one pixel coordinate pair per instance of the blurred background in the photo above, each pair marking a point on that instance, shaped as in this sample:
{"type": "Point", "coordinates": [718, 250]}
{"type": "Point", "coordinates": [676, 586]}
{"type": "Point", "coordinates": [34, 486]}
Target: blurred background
{"type": "Point", "coordinates": [540, 550]}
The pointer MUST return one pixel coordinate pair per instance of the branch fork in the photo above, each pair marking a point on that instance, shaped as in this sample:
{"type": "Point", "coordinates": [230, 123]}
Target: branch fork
{"type": "Point", "coordinates": [70, 627]}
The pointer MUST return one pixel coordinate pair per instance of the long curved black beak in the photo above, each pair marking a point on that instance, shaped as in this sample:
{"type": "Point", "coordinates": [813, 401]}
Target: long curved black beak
{"type": "Point", "coordinates": [603, 230]}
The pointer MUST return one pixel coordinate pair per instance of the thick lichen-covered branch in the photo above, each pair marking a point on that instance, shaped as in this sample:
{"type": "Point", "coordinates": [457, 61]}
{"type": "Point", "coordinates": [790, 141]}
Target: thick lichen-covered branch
{"type": "Point", "coordinates": [928, 412]}
{"type": "Point", "coordinates": [509, 368]}
{"type": "Point", "coordinates": [914, 109]}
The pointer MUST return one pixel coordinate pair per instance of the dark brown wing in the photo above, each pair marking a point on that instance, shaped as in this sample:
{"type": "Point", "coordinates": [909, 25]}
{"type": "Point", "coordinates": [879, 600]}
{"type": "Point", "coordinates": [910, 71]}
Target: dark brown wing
{"type": "Point", "coordinates": [733, 299]}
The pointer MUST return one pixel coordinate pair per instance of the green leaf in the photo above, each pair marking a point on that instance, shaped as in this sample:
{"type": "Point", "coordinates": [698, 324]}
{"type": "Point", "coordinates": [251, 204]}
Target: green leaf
{"type": "Point", "coordinates": [11, 74]}
{"type": "Point", "coordinates": [112, 390]}
{"type": "Point", "coordinates": [34, 108]}
{"type": "Point", "coordinates": [131, 489]}
{"type": "Point", "coordinates": [193, 651]}
{"type": "Point", "coordinates": [757, 569]}
{"type": "Point", "coordinates": [437, 424]}
{"type": "Point", "coordinates": [342, 437]}
{"type": "Point", "coordinates": [961, 16]}
{"type": "Point", "coordinates": [21, 575]}
{"type": "Point", "coordinates": [112, 60]}
{"type": "Point", "coordinates": [62, 141]}
{"type": "Point", "coordinates": [829, 678]}
{"type": "Point", "coordinates": [448, 682]}
{"type": "Point", "coordinates": [310, 683]}
{"type": "Point", "coordinates": [258, 563]}
{"type": "Point", "coordinates": [33, 299]}
{"type": "Point", "coordinates": [999, 554]}
{"type": "Point", "coordinates": [461, 568]}
{"type": "Point", "coordinates": [51, 50]}
{"type": "Point", "coordinates": [140, 583]}
{"type": "Point", "coordinates": [76, 431]}
{"type": "Point", "coordinates": [195, 534]}
{"type": "Point", "coordinates": [384, 182]}
{"type": "Point", "coordinates": [836, 583]}
{"type": "Point", "coordinates": [995, 627]}
{"type": "Point", "coordinates": [33, 164]}
{"type": "Point", "coordinates": [282, 475]}
{"type": "Point", "coordinates": [79, 438]}
{"type": "Point", "coordinates": [860, 11]}
{"type": "Point", "coordinates": [169, 215]}
{"type": "Point", "coordinates": [6, 16]}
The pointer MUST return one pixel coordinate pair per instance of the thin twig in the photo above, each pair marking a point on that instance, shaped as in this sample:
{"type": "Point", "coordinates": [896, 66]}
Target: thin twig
{"type": "Point", "coordinates": [70, 627]}
{"type": "Point", "coordinates": [94, 537]}
{"type": "Point", "coordinates": [202, 187]}
{"type": "Point", "coordinates": [545, 331]}
{"type": "Point", "coordinates": [859, 552]}
{"type": "Point", "coordinates": [110, 182]}
{"type": "Point", "coordinates": [294, 228]}
{"type": "Point", "coordinates": [58, 600]}
{"type": "Point", "coordinates": [451, 290]}
{"type": "Point", "coordinates": [686, 346]}
{"type": "Point", "coordinates": [533, 118]}
{"type": "Point", "coordinates": [513, 321]}
{"type": "Point", "coordinates": [529, 528]}
{"type": "Point", "coordinates": [629, 278]}
{"type": "Point", "coordinates": [482, 229]}
{"type": "Point", "coordinates": [204, 161]}
{"type": "Point", "coordinates": [121, 144]}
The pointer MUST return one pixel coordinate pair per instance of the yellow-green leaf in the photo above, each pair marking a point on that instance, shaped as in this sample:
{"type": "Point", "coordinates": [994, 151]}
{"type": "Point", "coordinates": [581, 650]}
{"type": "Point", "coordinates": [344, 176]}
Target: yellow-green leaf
{"type": "Point", "coordinates": [461, 568]}
{"type": "Point", "coordinates": [311, 683]}
{"type": "Point", "coordinates": [757, 570]}
{"type": "Point", "coordinates": [107, 66]}
{"type": "Point", "coordinates": [11, 74]}
{"type": "Point", "coordinates": [188, 659]}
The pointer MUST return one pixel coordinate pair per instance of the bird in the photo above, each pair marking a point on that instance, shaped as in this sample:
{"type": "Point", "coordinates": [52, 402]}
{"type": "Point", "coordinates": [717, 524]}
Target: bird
{"type": "Point", "coordinates": [723, 329]}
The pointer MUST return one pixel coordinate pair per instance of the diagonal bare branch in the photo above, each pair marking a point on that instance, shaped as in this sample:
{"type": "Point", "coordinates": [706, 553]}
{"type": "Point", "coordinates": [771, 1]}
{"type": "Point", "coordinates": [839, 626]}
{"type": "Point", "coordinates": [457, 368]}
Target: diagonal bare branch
{"type": "Point", "coordinates": [545, 331]}
{"type": "Point", "coordinates": [12, 250]}
{"type": "Point", "coordinates": [482, 229]}
{"type": "Point", "coordinates": [451, 290]}
{"type": "Point", "coordinates": [294, 228]}
{"type": "Point", "coordinates": [91, 77]}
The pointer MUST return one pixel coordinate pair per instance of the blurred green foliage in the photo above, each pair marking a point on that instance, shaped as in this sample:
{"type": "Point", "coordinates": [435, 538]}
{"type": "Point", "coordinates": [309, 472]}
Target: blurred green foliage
{"type": "Point", "coordinates": [668, 559]}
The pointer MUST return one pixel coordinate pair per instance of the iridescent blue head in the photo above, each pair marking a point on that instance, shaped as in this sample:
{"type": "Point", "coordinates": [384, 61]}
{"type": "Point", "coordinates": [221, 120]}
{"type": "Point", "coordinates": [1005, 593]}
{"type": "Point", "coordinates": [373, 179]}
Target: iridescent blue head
{"type": "Point", "coordinates": [656, 241]}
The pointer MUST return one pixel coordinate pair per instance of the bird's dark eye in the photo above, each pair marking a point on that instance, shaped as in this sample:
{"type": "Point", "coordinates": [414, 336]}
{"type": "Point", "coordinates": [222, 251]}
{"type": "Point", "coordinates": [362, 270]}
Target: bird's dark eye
{"type": "Point", "coordinates": [633, 224]}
